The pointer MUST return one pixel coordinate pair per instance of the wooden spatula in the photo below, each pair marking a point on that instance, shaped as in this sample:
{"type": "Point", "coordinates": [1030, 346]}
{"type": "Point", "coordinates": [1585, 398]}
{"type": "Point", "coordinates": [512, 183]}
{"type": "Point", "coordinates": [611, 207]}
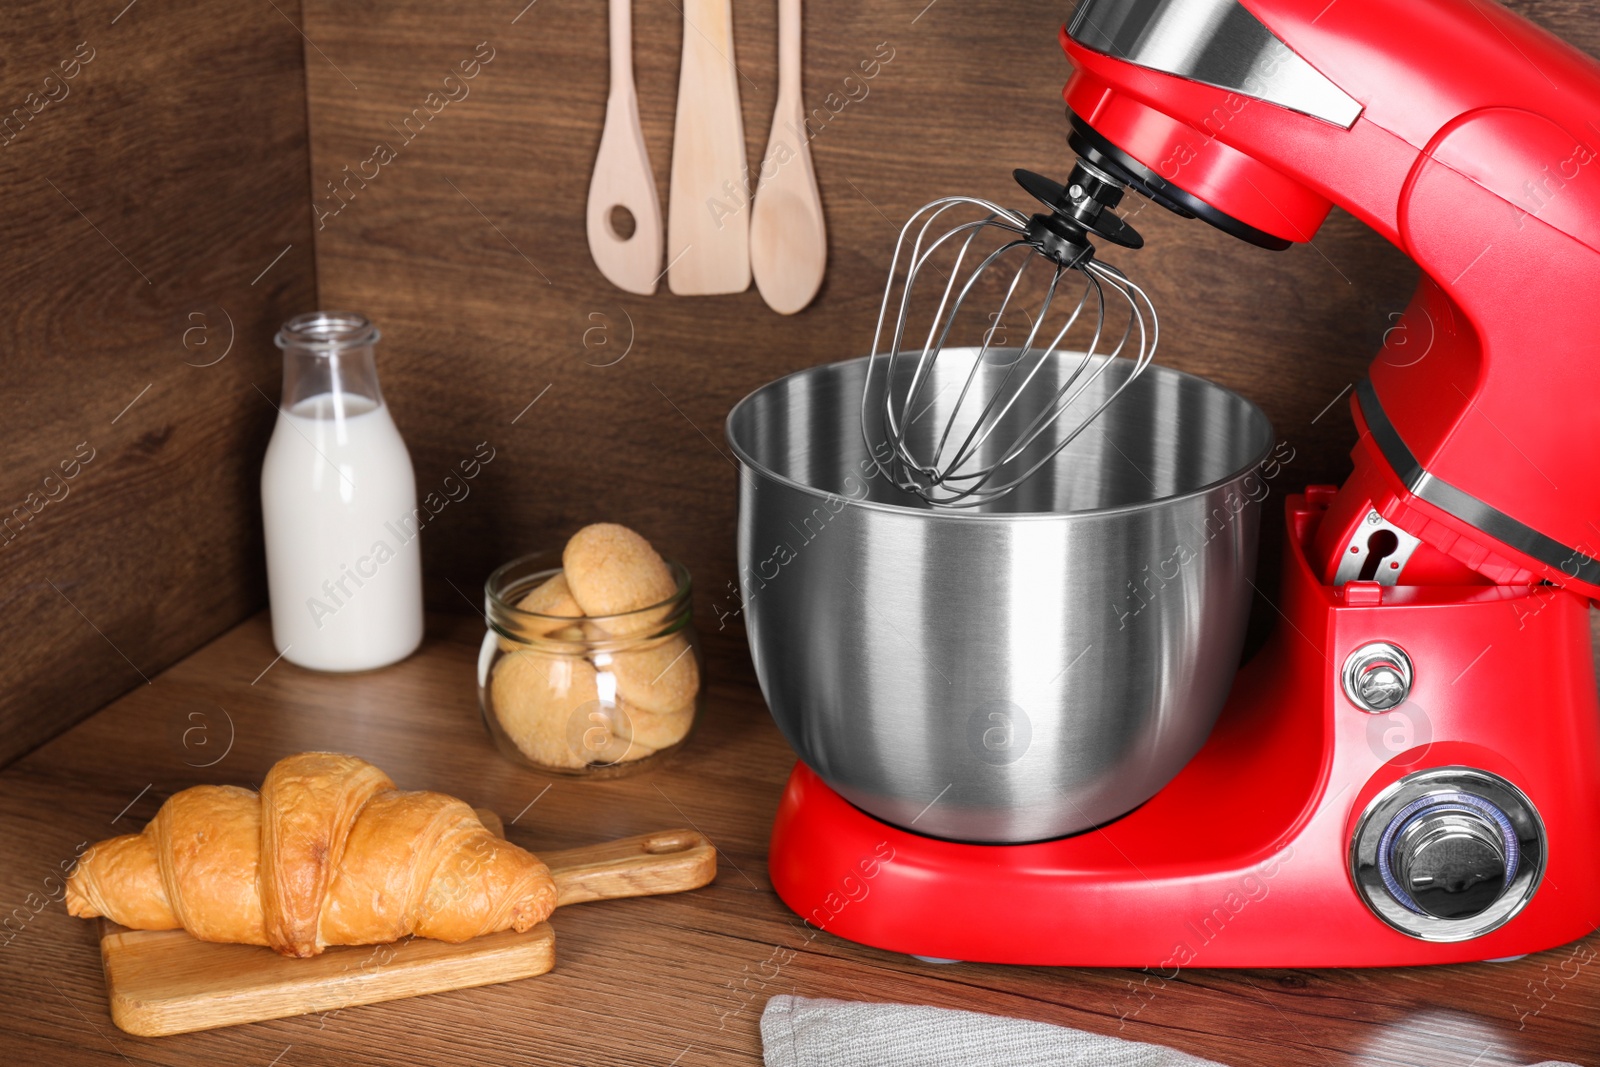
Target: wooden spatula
{"type": "Point", "coordinates": [708, 216]}
{"type": "Point", "coordinates": [788, 240]}
{"type": "Point", "coordinates": [164, 982]}
{"type": "Point", "coordinates": [623, 178]}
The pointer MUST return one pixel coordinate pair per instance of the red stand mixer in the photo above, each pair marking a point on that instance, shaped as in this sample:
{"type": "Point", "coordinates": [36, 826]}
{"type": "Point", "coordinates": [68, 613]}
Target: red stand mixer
{"type": "Point", "coordinates": [1409, 772]}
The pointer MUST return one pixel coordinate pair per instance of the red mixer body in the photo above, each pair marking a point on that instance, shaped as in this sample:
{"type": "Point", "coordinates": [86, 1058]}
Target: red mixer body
{"type": "Point", "coordinates": [1475, 153]}
{"type": "Point", "coordinates": [1241, 861]}
{"type": "Point", "coordinates": [1468, 138]}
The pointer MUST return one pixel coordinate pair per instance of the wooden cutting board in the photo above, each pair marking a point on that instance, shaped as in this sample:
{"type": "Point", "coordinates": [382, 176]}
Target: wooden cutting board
{"type": "Point", "coordinates": [163, 982]}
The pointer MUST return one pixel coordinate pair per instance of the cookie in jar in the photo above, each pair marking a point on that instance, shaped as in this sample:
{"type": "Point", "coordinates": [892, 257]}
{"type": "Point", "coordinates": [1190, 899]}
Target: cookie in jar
{"type": "Point", "coordinates": [591, 665]}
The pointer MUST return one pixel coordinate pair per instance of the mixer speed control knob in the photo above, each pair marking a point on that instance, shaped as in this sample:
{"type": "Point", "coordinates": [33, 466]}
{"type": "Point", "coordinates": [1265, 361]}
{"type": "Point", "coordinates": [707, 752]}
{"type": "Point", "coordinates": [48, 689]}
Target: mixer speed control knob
{"type": "Point", "coordinates": [1450, 861]}
{"type": "Point", "coordinates": [1448, 854]}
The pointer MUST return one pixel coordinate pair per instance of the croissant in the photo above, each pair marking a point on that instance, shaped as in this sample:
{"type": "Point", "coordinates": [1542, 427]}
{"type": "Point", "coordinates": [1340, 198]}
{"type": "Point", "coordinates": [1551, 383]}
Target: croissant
{"type": "Point", "coordinates": [329, 853]}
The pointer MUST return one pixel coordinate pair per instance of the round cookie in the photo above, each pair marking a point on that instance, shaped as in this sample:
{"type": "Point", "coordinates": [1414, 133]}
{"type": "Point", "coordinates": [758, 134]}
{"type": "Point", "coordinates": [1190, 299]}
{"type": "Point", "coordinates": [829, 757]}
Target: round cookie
{"type": "Point", "coordinates": [551, 597]}
{"type": "Point", "coordinates": [662, 677]}
{"type": "Point", "coordinates": [599, 732]}
{"type": "Point", "coordinates": [636, 750]}
{"type": "Point", "coordinates": [534, 696]}
{"type": "Point", "coordinates": [656, 729]}
{"type": "Point", "coordinates": [612, 571]}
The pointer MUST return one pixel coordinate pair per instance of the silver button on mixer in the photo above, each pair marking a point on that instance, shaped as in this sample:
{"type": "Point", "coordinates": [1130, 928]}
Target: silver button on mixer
{"type": "Point", "coordinates": [1448, 854]}
{"type": "Point", "coordinates": [1377, 677]}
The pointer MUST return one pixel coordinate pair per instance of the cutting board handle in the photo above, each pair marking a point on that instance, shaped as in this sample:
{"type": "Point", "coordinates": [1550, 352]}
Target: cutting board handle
{"type": "Point", "coordinates": [667, 861]}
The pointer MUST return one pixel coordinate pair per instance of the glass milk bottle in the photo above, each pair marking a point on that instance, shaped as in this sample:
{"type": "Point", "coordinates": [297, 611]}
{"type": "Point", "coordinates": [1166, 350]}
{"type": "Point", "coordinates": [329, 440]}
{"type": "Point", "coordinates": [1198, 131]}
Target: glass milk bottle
{"type": "Point", "coordinates": [339, 500]}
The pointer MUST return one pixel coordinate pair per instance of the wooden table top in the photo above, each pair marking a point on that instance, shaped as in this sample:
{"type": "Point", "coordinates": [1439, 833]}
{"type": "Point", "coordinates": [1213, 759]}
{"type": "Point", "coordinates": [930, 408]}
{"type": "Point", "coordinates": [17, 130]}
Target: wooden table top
{"type": "Point", "coordinates": [672, 980]}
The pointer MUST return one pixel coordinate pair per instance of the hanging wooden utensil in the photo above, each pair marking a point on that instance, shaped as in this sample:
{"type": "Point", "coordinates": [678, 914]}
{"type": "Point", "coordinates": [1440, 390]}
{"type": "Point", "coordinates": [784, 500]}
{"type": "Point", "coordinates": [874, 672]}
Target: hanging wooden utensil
{"type": "Point", "coordinates": [623, 179]}
{"type": "Point", "coordinates": [708, 217]}
{"type": "Point", "coordinates": [788, 239]}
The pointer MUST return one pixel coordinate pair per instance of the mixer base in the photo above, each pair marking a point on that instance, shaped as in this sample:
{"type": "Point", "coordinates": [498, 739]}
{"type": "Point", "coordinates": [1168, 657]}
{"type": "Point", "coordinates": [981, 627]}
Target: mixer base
{"type": "Point", "coordinates": [1242, 860]}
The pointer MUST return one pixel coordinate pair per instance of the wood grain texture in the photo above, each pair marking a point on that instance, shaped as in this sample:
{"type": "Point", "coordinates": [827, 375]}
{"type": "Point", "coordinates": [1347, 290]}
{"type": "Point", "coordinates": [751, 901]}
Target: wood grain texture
{"type": "Point", "coordinates": [788, 230]}
{"type": "Point", "coordinates": [623, 177]}
{"type": "Point", "coordinates": [470, 251]}
{"type": "Point", "coordinates": [708, 225]}
{"type": "Point", "coordinates": [644, 982]}
{"type": "Point", "coordinates": [164, 982]}
{"type": "Point", "coordinates": [144, 204]}
{"type": "Point", "coordinates": [668, 861]}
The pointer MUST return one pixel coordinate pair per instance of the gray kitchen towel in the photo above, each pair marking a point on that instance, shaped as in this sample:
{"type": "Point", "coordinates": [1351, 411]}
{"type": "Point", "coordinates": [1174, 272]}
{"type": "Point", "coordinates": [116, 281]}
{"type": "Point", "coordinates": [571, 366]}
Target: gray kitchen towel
{"type": "Point", "coordinates": [801, 1032]}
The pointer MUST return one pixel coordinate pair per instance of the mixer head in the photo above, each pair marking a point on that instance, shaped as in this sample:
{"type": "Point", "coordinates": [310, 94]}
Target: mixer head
{"type": "Point", "coordinates": [1036, 321]}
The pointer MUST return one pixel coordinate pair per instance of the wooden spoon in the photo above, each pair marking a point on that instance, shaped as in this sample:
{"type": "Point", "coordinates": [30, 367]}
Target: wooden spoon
{"type": "Point", "coordinates": [788, 240]}
{"type": "Point", "coordinates": [708, 216]}
{"type": "Point", "coordinates": [623, 178]}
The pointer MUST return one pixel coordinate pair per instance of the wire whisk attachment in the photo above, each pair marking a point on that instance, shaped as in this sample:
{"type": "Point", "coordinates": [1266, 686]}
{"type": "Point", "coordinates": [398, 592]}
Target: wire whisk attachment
{"type": "Point", "coordinates": [1000, 339]}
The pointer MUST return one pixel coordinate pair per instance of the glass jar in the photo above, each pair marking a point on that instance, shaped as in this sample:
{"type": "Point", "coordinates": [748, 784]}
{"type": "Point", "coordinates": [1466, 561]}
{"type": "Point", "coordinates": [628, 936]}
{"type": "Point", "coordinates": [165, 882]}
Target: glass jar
{"type": "Point", "coordinates": [597, 695]}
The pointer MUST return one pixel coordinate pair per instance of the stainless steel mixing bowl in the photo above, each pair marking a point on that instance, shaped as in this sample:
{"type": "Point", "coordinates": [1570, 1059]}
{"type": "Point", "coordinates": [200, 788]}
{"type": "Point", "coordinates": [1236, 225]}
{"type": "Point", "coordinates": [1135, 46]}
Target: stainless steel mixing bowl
{"type": "Point", "coordinates": [1017, 672]}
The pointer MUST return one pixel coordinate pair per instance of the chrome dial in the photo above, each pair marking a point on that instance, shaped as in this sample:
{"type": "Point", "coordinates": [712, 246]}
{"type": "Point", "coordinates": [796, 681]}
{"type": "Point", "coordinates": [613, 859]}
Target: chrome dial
{"type": "Point", "coordinates": [1448, 854]}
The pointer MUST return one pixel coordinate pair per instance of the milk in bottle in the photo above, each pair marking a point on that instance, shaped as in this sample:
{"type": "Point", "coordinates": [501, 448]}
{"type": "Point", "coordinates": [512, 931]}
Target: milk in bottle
{"type": "Point", "coordinates": [338, 496]}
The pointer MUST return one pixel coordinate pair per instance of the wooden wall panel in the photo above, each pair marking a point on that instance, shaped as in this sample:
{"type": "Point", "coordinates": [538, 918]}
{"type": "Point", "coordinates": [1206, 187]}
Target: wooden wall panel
{"type": "Point", "coordinates": [468, 248]}
{"type": "Point", "coordinates": [153, 161]}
